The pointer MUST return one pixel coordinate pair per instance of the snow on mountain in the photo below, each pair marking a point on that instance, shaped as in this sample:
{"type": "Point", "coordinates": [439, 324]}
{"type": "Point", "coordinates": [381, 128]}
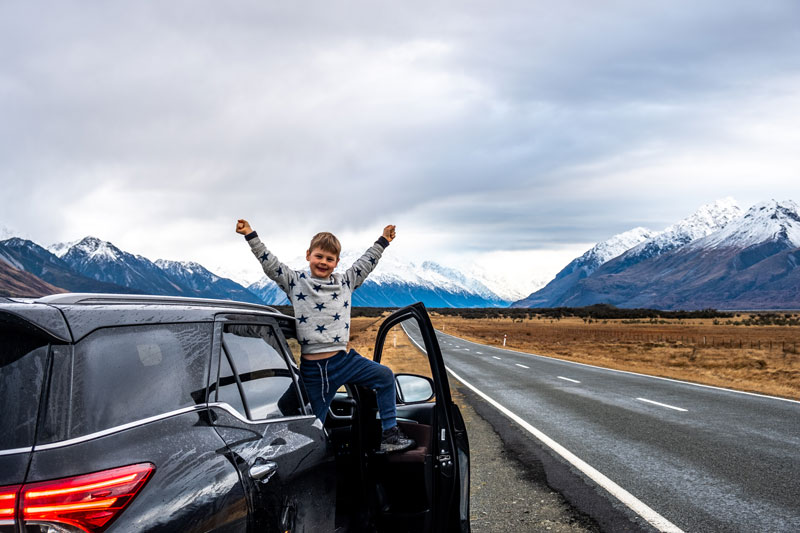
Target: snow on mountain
{"type": "Point", "coordinates": [616, 245]}
{"type": "Point", "coordinates": [102, 261]}
{"type": "Point", "coordinates": [60, 249]}
{"type": "Point", "coordinates": [764, 222]}
{"type": "Point", "coordinates": [186, 269]}
{"type": "Point", "coordinates": [203, 282]}
{"type": "Point", "coordinates": [507, 287]}
{"type": "Point", "coordinates": [584, 266]}
{"type": "Point", "coordinates": [397, 281]}
{"type": "Point", "coordinates": [705, 221]}
{"type": "Point", "coordinates": [749, 262]}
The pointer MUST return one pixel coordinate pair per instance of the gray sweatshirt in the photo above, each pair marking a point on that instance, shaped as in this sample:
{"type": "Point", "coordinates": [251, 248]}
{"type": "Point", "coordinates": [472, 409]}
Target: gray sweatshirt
{"type": "Point", "coordinates": [321, 305]}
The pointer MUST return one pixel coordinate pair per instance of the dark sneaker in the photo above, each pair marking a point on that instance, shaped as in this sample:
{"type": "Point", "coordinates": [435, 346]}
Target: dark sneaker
{"type": "Point", "coordinates": [394, 440]}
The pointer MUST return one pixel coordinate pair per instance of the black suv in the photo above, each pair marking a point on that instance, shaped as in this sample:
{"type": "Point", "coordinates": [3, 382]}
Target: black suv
{"type": "Point", "coordinates": [149, 413]}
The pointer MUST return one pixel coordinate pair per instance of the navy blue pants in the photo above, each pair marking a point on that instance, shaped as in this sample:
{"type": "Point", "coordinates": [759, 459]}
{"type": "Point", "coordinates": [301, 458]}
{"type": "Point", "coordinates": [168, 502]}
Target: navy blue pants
{"type": "Point", "coordinates": [324, 377]}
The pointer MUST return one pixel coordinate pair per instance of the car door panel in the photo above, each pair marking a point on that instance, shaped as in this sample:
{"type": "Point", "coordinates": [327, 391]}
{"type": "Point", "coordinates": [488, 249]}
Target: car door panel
{"type": "Point", "coordinates": [443, 467]}
{"type": "Point", "coordinates": [280, 452]}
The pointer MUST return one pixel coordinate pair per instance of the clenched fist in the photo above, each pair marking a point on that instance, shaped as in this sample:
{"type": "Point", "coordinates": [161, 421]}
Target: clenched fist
{"type": "Point", "coordinates": [389, 233]}
{"type": "Point", "coordinates": [243, 227]}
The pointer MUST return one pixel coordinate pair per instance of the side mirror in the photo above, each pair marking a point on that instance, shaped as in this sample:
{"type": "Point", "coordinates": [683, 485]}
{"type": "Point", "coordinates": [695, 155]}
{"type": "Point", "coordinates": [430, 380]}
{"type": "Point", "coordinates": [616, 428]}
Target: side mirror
{"type": "Point", "coordinates": [413, 388]}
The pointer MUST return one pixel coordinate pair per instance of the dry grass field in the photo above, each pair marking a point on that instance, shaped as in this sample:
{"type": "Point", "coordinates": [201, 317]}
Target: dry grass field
{"type": "Point", "coordinates": [762, 359]}
{"type": "Point", "coordinates": [399, 353]}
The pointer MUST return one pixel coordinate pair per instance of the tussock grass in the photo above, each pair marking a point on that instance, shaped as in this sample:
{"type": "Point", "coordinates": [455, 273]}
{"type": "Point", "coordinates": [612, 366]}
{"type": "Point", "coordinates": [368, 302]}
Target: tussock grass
{"type": "Point", "coordinates": [760, 359]}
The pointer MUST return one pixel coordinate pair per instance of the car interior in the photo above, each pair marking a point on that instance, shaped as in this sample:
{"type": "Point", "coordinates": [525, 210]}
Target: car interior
{"type": "Point", "coordinates": [387, 492]}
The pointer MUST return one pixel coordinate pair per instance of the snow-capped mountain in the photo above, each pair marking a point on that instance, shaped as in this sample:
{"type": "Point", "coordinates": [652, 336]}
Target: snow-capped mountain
{"type": "Point", "coordinates": [396, 282]}
{"type": "Point", "coordinates": [101, 260]}
{"type": "Point", "coordinates": [705, 221]}
{"type": "Point", "coordinates": [28, 256]}
{"type": "Point", "coordinates": [60, 249]}
{"type": "Point", "coordinates": [769, 221]}
{"type": "Point", "coordinates": [752, 262]}
{"type": "Point", "coordinates": [203, 282]}
{"type": "Point", "coordinates": [584, 266]}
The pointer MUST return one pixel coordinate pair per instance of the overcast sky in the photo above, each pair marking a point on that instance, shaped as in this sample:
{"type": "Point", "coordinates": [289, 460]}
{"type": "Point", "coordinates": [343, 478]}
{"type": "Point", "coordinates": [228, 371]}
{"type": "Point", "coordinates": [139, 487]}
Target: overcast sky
{"type": "Point", "coordinates": [515, 134]}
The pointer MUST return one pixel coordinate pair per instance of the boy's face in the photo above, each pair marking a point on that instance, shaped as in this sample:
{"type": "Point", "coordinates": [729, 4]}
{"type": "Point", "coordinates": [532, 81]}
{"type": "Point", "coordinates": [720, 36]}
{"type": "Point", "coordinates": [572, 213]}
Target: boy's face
{"type": "Point", "coordinates": [321, 263]}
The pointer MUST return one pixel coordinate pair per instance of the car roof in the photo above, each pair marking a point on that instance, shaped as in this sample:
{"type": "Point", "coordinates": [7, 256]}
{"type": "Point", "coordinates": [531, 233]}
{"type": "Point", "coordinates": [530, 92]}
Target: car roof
{"type": "Point", "coordinates": [86, 312]}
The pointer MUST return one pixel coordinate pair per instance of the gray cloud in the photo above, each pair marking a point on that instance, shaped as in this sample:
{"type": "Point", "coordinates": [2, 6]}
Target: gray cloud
{"type": "Point", "coordinates": [527, 124]}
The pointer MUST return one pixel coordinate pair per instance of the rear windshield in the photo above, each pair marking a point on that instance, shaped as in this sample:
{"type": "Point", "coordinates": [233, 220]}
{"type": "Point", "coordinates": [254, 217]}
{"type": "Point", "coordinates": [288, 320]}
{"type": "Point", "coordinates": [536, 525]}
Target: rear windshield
{"type": "Point", "coordinates": [23, 358]}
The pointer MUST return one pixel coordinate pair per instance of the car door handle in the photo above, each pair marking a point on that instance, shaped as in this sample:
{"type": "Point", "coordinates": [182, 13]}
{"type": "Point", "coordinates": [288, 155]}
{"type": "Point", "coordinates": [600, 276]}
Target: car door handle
{"type": "Point", "coordinates": [263, 472]}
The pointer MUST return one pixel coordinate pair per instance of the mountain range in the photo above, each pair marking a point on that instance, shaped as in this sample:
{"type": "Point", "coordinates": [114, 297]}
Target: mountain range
{"type": "Point", "coordinates": [718, 258]}
{"type": "Point", "coordinates": [93, 265]}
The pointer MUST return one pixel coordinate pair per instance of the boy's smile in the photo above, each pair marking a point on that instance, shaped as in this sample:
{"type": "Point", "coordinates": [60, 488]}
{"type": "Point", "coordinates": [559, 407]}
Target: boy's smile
{"type": "Point", "coordinates": [321, 262]}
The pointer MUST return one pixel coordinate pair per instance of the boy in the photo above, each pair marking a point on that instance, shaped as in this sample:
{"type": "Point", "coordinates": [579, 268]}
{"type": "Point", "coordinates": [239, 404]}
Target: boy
{"type": "Point", "coordinates": [321, 300]}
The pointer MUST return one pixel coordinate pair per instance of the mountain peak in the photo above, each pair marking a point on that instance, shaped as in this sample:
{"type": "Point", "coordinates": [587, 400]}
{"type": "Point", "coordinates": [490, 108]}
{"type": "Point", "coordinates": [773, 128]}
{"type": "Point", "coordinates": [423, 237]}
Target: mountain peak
{"type": "Point", "coordinates": [95, 249]}
{"type": "Point", "coordinates": [705, 221]}
{"type": "Point", "coordinates": [609, 249]}
{"type": "Point", "coordinates": [766, 221]}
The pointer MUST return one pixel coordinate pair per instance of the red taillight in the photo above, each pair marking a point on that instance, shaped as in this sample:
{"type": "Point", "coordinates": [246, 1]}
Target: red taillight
{"type": "Point", "coordinates": [90, 501]}
{"type": "Point", "coordinates": [8, 502]}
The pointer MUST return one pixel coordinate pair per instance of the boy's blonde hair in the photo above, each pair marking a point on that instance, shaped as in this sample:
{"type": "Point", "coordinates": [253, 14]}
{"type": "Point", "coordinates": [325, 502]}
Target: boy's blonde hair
{"type": "Point", "coordinates": [327, 242]}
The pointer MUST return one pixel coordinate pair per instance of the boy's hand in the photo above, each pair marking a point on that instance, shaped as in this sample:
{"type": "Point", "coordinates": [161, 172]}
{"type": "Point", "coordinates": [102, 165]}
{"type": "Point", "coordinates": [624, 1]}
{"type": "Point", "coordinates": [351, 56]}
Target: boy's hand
{"type": "Point", "coordinates": [243, 227]}
{"type": "Point", "coordinates": [389, 233]}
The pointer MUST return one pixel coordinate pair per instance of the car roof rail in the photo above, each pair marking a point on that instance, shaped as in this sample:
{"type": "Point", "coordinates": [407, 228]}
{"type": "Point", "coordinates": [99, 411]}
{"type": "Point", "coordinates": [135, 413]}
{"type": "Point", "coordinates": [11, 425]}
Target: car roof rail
{"type": "Point", "coordinates": [109, 298]}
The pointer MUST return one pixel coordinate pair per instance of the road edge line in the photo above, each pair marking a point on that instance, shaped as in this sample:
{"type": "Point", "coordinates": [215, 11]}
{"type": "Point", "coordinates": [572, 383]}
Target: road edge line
{"type": "Point", "coordinates": [628, 499]}
{"type": "Point", "coordinates": [631, 501]}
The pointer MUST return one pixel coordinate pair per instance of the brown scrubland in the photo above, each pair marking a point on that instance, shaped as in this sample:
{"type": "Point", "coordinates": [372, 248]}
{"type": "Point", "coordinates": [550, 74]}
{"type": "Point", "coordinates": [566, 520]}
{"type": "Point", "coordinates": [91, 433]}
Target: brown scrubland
{"type": "Point", "coordinates": [743, 352]}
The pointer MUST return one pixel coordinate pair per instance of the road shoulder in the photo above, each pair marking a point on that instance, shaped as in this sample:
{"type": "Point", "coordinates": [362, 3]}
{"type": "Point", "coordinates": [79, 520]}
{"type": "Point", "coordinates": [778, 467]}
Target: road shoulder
{"type": "Point", "coordinates": [517, 485]}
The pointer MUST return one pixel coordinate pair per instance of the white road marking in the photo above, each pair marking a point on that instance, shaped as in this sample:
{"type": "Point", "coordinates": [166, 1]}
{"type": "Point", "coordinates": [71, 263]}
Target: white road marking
{"type": "Point", "coordinates": [639, 507]}
{"type": "Point", "coordinates": [642, 375]}
{"type": "Point", "coordinates": [522, 366]}
{"type": "Point", "coordinates": [467, 349]}
{"type": "Point", "coordinates": [495, 357]}
{"type": "Point", "coordinates": [662, 404]}
{"type": "Point", "coordinates": [479, 353]}
{"type": "Point", "coordinates": [568, 379]}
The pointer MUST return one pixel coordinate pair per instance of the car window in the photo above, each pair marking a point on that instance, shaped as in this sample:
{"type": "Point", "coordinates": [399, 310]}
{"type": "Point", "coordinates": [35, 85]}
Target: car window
{"type": "Point", "coordinates": [23, 358]}
{"type": "Point", "coordinates": [255, 353]}
{"type": "Point", "coordinates": [124, 374]}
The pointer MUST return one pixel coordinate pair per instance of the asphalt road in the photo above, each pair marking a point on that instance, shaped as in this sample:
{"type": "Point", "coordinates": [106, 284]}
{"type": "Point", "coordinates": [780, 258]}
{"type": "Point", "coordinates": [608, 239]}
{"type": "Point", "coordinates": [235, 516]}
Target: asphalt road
{"type": "Point", "coordinates": [683, 457]}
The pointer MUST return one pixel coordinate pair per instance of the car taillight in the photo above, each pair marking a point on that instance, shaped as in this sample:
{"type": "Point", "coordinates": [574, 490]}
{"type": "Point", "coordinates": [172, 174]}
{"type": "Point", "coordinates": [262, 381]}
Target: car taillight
{"type": "Point", "coordinates": [88, 502]}
{"type": "Point", "coordinates": [8, 502]}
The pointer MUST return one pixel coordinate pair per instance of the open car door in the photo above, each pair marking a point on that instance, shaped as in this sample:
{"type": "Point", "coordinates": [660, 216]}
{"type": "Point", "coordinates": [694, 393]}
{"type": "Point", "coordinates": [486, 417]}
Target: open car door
{"type": "Point", "coordinates": [425, 488]}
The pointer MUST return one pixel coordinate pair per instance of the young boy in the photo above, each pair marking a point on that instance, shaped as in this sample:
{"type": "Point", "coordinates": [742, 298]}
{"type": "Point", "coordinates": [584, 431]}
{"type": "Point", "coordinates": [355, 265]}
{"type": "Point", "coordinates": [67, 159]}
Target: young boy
{"type": "Point", "coordinates": [322, 301]}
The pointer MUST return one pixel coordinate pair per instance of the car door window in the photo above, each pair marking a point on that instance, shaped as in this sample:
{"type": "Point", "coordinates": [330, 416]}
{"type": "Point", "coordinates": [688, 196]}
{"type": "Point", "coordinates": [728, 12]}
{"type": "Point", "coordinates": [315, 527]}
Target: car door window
{"type": "Point", "coordinates": [125, 374]}
{"type": "Point", "coordinates": [403, 352]}
{"type": "Point", "coordinates": [255, 378]}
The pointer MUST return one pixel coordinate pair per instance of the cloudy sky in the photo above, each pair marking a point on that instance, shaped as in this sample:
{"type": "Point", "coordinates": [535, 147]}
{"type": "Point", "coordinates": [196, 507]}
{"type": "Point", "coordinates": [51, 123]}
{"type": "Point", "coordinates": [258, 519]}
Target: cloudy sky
{"type": "Point", "coordinates": [512, 134]}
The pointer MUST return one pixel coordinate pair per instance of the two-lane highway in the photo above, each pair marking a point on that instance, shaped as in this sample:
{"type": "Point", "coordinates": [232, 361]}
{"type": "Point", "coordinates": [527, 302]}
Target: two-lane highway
{"type": "Point", "coordinates": [697, 458]}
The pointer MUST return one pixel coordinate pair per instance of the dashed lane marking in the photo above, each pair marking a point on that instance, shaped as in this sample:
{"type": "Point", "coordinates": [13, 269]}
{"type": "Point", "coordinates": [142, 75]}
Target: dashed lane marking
{"type": "Point", "coordinates": [521, 366]}
{"type": "Point", "coordinates": [662, 404]}
{"type": "Point", "coordinates": [568, 379]}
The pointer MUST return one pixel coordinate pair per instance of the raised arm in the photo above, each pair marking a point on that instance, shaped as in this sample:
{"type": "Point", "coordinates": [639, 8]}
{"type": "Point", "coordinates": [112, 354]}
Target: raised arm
{"type": "Point", "coordinates": [273, 268]}
{"type": "Point", "coordinates": [364, 265]}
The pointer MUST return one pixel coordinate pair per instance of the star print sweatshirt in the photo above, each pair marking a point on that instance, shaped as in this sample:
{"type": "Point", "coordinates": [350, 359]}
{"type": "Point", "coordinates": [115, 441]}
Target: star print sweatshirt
{"type": "Point", "coordinates": [321, 305]}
